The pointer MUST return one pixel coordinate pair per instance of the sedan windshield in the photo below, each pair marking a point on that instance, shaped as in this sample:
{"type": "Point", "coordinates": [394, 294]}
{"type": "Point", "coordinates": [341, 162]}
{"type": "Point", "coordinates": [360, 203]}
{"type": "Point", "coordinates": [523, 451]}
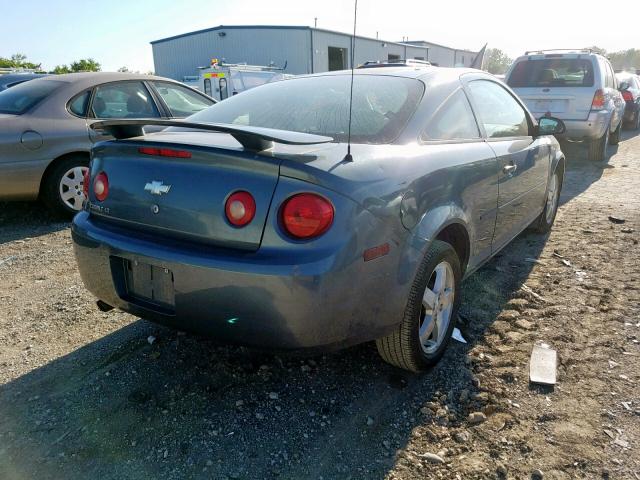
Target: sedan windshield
{"type": "Point", "coordinates": [17, 100]}
{"type": "Point", "coordinates": [382, 106]}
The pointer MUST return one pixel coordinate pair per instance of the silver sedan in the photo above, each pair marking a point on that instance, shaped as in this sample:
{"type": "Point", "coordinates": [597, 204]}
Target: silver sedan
{"type": "Point", "coordinates": [45, 137]}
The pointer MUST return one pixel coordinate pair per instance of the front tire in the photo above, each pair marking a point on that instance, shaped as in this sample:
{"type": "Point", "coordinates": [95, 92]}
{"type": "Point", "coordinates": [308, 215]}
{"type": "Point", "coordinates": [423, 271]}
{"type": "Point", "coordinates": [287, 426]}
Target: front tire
{"type": "Point", "coordinates": [430, 314]}
{"type": "Point", "coordinates": [598, 148]}
{"type": "Point", "coordinates": [62, 191]}
{"type": "Point", "coordinates": [545, 221]}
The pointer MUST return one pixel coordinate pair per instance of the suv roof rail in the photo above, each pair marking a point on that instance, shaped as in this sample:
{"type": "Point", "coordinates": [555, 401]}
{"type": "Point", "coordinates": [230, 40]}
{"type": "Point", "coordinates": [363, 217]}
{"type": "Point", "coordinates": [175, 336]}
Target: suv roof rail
{"type": "Point", "coordinates": [395, 63]}
{"type": "Point", "coordinates": [565, 50]}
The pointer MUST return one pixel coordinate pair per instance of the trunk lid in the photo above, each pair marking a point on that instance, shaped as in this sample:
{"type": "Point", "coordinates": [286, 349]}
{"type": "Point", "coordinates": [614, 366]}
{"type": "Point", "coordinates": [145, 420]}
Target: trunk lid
{"type": "Point", "coordinates": [184, 198]}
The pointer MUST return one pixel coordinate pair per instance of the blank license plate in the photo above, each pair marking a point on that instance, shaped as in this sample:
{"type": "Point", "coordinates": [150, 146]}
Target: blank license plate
{"type": "Point", "coordinates": [150, 283]}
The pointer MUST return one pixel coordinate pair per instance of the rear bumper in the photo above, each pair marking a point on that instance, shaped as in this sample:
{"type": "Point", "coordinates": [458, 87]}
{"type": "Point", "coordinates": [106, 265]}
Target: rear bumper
{"type": "Point", "coordinates": [263, 299]}
{"type": "Point", "coordinates": [584, 130]}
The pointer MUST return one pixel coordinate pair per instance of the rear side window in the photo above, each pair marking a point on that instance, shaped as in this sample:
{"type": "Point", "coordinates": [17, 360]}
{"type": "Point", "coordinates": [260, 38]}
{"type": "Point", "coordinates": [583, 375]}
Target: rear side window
{"type": "Point", "coordinates": [453, 120]}
{"type": "Point", "coordinates": [123, 100]}
{"type": "Point", "coordinates": [78, 106]}
{"type": "Point", "coordinates": [382, 106]}
{"type": "Point", "coordinates": [500, 114]}
{"type": "Point", "coordinates": [552, 72]}
{"type": "Point", "coordinates": [181, 101]}
{"type": "Point", "coordinates": [17, 100]}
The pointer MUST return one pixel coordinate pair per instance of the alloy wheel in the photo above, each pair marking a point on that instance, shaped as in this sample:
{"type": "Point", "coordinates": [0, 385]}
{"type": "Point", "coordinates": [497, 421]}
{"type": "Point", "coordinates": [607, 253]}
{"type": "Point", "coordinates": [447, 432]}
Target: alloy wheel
{"type": "Point", "coordinates": [437, 308]}
{"type": "Point", "coordinates": [552, 198]}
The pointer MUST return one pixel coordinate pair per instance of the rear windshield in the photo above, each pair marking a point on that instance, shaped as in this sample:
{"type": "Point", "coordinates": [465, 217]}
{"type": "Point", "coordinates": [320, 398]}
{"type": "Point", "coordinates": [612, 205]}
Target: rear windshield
{"type": "Point", "coordinates": [382, 106]}
{"type": "Point", "coordinates": [17, 100]}
{"type": "Point", "coordinates": [552, 72]}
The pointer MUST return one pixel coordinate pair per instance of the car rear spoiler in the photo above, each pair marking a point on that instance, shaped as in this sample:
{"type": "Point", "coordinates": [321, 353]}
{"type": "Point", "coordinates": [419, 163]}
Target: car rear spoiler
{"type": "Point", "coordinates": [251, 138]}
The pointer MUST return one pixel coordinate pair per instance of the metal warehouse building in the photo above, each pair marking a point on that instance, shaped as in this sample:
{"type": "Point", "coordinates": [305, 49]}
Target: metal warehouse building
{"type": "Point", "coordinates": [300, 49]}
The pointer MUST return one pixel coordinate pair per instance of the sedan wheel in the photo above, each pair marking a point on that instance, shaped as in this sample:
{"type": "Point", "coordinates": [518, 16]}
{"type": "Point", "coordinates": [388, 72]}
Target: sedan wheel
{"type": "Point", "coordinates": [62, 189]}
{"type": "Point", "coordinates": [437, 307]}
{"type": "Point", "coordinates": [71, 188]}
{"type": "Point", "coordinates": [421, 338]}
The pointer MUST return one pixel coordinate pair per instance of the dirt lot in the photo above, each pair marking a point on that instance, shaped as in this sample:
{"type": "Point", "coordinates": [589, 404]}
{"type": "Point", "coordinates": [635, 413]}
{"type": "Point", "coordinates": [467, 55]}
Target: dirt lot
{"type": "Point", "coordinates": [85, 394]}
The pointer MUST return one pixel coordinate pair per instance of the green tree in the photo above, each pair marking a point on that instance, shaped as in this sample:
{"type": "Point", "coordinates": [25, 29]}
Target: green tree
{"type": "Point", "coordinates": [85, 65]}
{"type": "Point", "coordinates": [60, 69]}
{"type": "Point", "coordinates": [496, 61]}
{"type": "Point", "coordinates": [18, 60]}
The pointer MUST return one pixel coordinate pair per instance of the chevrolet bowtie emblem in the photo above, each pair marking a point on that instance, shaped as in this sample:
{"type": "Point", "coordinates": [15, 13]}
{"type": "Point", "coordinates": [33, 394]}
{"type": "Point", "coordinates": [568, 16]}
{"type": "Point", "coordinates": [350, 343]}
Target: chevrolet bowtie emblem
{"type": "Point", "coordinates": [157, 188]}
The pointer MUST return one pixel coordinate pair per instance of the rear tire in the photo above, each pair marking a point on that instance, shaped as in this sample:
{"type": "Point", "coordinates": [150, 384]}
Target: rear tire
{"type": "Point", "coordinates": [598, 148]}
{"type": "Point", "coordinates": [62, 189]}
{"type": "Point", "coordinates": [636, 124]}
{"type": "Point", "coordinates": [429, 316]}
{"type": "Point", "coordinates": [614, 138]}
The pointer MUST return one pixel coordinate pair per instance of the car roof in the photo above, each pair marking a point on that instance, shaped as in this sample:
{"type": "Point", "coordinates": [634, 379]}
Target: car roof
{"type": "Point", "coordinates": [88, 79]}
{"type": "Point", "coordinates": [418, 72]}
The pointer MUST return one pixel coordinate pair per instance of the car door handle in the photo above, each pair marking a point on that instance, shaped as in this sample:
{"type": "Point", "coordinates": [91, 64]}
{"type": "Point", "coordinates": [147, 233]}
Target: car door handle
{"type": "Point", "coordinates": [509, 169]}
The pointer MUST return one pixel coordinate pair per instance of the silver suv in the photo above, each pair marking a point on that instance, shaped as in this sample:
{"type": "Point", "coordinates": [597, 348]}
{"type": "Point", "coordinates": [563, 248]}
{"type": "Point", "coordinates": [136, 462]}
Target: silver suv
{"type": "Point", "coordinates": [577, 86]}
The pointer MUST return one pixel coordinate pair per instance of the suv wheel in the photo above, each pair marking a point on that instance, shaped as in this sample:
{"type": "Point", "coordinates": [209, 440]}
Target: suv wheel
{"type": "Point", "coordinates": [598, 148]}
{"type": "Point", "coordinates": [614, 138]}
{"type": "Point", "coordinates": [430, 315]}
{"type": "Point", "coordinates": [636, 121]}
{"type": "Point", "coordinates": [62, 190]}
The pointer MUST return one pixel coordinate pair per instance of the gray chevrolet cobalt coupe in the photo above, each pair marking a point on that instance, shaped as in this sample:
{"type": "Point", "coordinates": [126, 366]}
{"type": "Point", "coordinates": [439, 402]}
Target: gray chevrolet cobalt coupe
{"type": "Point", "coordinates": [249, 222]}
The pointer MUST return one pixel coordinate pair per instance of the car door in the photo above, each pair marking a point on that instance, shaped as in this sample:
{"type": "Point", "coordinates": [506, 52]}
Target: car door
{"type": "Point", "coordinates": [473, 176]}
{"type": "Point", "coordinates": [615, 102]}
{"type": "Point", "coordinates": [119, 100]}
{"type": "Point", "coordinates": [523, 159]}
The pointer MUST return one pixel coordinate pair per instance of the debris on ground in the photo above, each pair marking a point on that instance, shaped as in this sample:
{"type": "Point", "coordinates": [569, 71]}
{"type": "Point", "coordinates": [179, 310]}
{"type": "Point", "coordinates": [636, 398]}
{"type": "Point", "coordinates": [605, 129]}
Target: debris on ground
{"type": "Point", "coordinates": [457, 335]}
{"type": "Point", "coordinates": [542, 365]}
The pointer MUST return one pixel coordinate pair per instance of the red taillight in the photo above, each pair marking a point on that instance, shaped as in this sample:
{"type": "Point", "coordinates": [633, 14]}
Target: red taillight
{"type": "Point", "coordinates": [101, 186]}
{"type": "Point", "coordinates": [240, 208]}
{"type": "Point", "coordinates": [306, 215]}
{"type": "Point", "coordinates": [164, 152]}
{"type": "Point", "coordinates": [85, 183]}
{"type": "Point", "coordinates": [598, 100]}
{"type": "Point", "coordinates": [627, 95]}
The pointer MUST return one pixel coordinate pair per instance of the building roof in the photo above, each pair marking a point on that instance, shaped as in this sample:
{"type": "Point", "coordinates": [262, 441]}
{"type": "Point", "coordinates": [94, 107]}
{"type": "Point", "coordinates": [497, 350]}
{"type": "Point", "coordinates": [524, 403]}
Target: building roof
{"type": "Point", "coordinates": [284, 27]}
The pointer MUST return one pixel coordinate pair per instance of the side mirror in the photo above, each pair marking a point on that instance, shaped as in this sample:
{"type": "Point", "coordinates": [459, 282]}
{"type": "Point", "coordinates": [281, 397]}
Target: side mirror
{"type": "Point", "coordinates": [551, 126]}
{"type": "Point", "coordinates": [623, 86]}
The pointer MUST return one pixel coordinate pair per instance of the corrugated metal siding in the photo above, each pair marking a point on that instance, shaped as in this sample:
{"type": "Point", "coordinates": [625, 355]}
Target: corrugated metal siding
{"type": "Point", "coordinates": [182, 56]}
{"type": "Point", "coordinates": [366, 49]}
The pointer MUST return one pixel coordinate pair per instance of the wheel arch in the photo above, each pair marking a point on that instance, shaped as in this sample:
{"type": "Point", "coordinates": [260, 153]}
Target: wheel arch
{"type": "Point", "coordinates": [56, 161]}
{"type": "Point", "coordinates": [447, 223]}
{"type": "Point", "coordinates": [456, 235]}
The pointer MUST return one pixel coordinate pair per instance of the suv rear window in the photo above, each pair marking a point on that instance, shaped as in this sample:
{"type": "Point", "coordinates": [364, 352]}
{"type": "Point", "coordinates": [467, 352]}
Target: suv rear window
{"type": "Point", "coordinates": [17, 100]}
{"type": "Point", "coordinates": [382, 106]}
{"type": "Point", "coordinates": [552, 72]}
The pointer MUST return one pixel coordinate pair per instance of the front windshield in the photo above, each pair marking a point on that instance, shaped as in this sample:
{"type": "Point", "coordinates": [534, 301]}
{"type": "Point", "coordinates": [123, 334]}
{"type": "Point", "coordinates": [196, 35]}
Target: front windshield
{"type": "Point", "coordinates": [20, 98]}
{"type": "Point", "coordinates": [382, 106]}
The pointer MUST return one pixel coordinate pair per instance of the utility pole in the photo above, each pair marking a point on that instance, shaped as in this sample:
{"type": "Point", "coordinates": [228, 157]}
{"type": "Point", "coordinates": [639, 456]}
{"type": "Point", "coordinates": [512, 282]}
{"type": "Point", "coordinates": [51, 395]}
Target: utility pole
{"type": "Point", "coordinates": [315, 22]}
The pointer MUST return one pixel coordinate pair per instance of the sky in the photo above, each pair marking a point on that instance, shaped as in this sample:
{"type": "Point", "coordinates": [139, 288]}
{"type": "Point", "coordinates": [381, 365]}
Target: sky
{"type": "Point", "coordinates": [117, 33]}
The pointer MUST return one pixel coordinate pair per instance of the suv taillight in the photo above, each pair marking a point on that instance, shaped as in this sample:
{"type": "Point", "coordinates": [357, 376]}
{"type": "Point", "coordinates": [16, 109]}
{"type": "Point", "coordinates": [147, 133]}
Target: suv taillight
{"type": "Point", "coordinates": [306, 215]}
{"type": "Point", "coordinates": [598, 100]}
{"type": "Point", "coordinates": [627, 95]}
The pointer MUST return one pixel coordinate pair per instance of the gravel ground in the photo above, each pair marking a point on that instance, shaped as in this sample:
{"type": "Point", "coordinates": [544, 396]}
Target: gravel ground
{"type": "Point", "coordinates": [86, 394]}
